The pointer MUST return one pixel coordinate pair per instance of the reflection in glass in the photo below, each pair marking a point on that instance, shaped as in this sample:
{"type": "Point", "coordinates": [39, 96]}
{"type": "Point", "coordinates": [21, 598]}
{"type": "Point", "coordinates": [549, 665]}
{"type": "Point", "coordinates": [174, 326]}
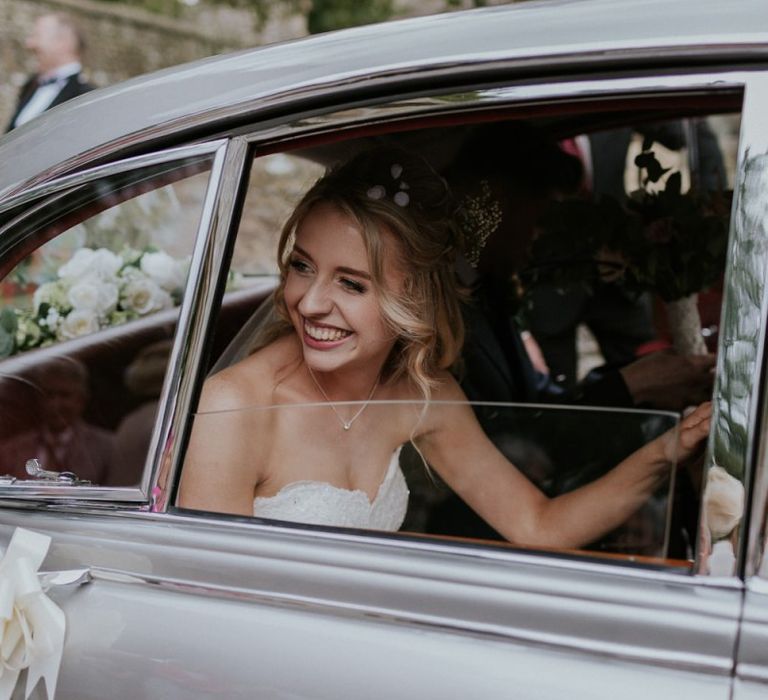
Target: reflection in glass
{"type": "Point", "coordinates": [557, 448]}
{"type": "Point", "coordinates": [87, 318]}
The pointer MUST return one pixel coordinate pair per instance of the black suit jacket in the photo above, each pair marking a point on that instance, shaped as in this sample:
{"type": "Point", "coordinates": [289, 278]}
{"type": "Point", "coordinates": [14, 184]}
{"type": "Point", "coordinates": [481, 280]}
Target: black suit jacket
{"type": "Point", "coordinates": [74, 86]}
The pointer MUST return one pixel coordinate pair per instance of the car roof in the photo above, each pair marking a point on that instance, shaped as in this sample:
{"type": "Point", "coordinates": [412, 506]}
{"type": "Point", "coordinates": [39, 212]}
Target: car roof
{"type": "Point", "coordinates": [429, 51]}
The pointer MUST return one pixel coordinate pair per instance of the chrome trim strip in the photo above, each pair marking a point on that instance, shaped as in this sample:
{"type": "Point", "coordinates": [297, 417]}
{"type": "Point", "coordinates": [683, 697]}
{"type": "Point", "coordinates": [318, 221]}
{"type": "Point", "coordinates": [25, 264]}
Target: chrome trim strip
{"type": "Point", "coordinates": [752, 673]}
{"type": "Point", "coordinates": [197, 309]}
{"type": "Point", "coordinates": [699, 663]}
{"type": "Point", "coordinates": [491, 98]}
{"type": "Point", "coordinates": [114, 168]}
{"type": "Point", "coordinates": [400, 541]}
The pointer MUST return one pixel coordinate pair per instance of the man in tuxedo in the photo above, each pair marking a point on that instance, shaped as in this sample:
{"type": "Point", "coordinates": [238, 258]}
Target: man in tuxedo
{"type": "Point", "coordinates": [57, 45]}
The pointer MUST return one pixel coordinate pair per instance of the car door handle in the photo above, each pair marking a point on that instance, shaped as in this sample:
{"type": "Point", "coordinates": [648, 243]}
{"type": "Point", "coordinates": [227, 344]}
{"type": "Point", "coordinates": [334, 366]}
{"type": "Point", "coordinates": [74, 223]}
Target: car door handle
{"type": "Point", "coordinates": [68, 577]}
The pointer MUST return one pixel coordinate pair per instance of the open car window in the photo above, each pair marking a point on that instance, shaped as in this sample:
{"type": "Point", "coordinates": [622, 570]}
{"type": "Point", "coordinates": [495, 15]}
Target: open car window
{"type": "Point", "coordinates": [587, 228]}
{"type": "Point", "coordinates": [91, 286]}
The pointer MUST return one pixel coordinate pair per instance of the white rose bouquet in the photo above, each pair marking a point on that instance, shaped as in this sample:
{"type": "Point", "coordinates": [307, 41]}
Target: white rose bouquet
{"type": "Point", "coordinates": [95, 289]}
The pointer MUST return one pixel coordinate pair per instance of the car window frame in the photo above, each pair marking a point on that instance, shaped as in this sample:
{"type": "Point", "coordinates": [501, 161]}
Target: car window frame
{"type": "Point", "coordinates": [338, 121]}
{"type": "Point", "coordinates": [43, 196]}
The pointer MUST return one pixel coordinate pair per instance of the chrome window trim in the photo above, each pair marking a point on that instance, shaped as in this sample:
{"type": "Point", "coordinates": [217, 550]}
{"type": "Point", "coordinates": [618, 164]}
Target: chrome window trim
{"type": "Point", "coordinates": [195, 319]}
{"type": "Point", "coordinates": [490, 98]}
{"type": "Point", "coordinates": [126, 496]}
{"type": "Point", "coordinates": [397, 541]}
{"type": "Point", "coordinates": [82, 177]}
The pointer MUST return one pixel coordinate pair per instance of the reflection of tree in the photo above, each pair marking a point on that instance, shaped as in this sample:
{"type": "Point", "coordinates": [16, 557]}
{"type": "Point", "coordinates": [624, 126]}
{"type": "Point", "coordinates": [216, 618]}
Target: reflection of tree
{"type": "Point", "coordinates": [743, 294]}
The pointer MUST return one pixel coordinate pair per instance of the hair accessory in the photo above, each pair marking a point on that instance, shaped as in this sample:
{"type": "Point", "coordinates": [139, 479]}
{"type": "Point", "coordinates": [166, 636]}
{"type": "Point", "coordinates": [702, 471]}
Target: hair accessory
{"type": "Point", "coordinates": [401, 198]}
{"type": "Point", "coordinates": [482, 216]}
{"type": "Point", "coordinates": [346, 424]}
{"type": "Point", "coordinates": [377, 192]}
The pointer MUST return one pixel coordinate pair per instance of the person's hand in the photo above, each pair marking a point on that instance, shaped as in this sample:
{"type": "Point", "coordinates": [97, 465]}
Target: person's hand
{"type": "Point", "coordinates": [692, 432]}
{"type": "Point", "coordinates": [670, 381]}
{"type": "Point", "coordinates": [535, 355]}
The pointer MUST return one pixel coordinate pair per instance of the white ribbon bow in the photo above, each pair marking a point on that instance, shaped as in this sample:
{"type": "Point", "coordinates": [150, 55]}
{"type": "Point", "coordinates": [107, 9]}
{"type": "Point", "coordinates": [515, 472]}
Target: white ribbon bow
{"type": "Point", "coordinates": [31, 624]}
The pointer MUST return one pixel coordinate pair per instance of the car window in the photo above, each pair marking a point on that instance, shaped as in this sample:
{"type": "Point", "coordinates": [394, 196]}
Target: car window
{"type": "Point", "coordinates": [90, 296]}
{"type": "Point", "coordinates": [595, 252]}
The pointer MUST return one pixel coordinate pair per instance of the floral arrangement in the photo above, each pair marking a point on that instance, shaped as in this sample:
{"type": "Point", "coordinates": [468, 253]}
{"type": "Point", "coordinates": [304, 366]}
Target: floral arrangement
{"type": "Point", "coordinates": [662, 240]}
{"type": "Point", "coordinates": [95, 289]}
{"type": "Point", "coordinates": [665, 241]}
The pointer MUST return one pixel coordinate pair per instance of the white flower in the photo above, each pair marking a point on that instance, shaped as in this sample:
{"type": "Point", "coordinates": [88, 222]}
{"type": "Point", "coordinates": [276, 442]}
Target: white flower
{"type": "Point", "coordinates": [78, 323]}
{"type": "Point", "coordinates": [78, 265]}
{"type": "Point", "coordinates": [723, 502]}
{"type": "Point", "coordinates": [32, 627]}
{"type": "Point", "coordinates": [52, 320]}
{"type": "Point", "coordinates": [93, 294]}
{"type": "Point", "coordinates": [28, 333]}
{"type": "Point", "coordinates": [53, 293]}
{"type": "Point", "coordinates": [88, 262]}
{"type": "Point", "coordinates": [163, 269]}
{"type": "Point", "coordinates": [105, 263]}
{"type": "Point", "coordinates": [143, 296]}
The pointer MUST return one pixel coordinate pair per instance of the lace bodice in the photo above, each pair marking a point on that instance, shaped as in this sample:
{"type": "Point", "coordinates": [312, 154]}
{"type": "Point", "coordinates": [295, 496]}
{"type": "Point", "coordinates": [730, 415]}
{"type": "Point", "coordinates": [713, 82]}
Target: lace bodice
{"type": "Point", "coordinates": [320, 503]}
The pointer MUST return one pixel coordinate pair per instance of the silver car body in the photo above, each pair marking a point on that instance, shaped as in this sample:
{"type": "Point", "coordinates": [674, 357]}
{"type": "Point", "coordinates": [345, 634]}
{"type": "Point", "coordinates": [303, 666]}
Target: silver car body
{"type": "Point", "coordinates": [186, 606]}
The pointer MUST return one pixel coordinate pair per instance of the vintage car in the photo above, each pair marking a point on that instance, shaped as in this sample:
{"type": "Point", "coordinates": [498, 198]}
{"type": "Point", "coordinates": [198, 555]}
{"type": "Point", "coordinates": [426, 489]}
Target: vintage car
{"type": "Point", "coordinates": [170, 191]}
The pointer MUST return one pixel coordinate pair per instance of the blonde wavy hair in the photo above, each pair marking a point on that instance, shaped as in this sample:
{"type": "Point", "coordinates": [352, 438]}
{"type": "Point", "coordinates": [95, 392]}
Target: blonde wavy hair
{"type": "Point", "coordinates": [425, 317]}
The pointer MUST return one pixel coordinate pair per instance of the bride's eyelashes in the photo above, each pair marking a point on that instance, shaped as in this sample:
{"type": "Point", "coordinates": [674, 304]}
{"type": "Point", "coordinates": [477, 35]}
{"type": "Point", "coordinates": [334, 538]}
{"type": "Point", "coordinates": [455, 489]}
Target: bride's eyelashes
{"type": "Point", "coordinates": [300, 266]}
{"type": "Point", "coordinates": [353, 285]}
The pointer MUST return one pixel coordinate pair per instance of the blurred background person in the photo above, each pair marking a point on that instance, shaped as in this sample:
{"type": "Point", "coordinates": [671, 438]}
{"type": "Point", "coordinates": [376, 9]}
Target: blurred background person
{"type": "Point", "coordinates": [57, 45]}
{"type": "Point", "coordinates": [60, 439]}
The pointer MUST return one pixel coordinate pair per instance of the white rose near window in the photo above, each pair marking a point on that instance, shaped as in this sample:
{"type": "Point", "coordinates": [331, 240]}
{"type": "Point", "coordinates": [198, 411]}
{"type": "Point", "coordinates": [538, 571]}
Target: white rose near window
{"type": "Point", "coordinates": [32, 625]}
{"type": "Point", "coordinates": [94, 294]}
{"type": "Point", "coordinates": [77, 324]}
{"type": "Point", "coordinates": [143, 297]}
{"type": "Point", "coordinates": [163, 269]}
{"type": "Point", "coordinates": [95, 289]}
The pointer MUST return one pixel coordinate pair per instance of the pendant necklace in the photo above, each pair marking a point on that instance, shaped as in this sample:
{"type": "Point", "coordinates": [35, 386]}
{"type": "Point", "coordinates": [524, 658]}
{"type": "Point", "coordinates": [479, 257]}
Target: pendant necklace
{"type": "Point", "coordinates": [346, 424]}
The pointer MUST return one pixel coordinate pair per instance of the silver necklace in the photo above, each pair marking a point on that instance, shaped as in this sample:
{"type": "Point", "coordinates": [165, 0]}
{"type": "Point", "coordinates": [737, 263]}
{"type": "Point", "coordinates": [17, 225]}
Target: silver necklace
{"type": "Point", "coordinates": [346, 424]}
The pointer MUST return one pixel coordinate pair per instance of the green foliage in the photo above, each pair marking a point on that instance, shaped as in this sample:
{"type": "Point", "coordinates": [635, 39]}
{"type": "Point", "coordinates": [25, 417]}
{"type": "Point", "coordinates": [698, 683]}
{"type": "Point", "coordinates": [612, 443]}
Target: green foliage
{"type": "Point", "coordinates": [8, 325]}
{"type": "Point", "coordinates": [327, 15]}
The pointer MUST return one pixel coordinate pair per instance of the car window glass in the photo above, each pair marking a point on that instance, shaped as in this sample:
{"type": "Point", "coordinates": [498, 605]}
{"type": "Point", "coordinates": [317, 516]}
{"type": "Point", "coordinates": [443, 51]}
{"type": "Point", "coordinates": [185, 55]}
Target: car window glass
{"type": "Point", "coordinates": [582, 234]}
{"type": "Point", "coordinates": [89, 309]}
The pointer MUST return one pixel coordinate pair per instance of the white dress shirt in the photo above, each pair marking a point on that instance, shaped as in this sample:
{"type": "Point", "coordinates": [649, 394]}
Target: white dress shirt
{"type": "Point", "coordinates": [47, 91]}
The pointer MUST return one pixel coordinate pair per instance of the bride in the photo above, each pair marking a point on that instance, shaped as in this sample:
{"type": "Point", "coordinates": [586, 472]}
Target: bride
{"type": "Point", "coordinates": [369, 312]}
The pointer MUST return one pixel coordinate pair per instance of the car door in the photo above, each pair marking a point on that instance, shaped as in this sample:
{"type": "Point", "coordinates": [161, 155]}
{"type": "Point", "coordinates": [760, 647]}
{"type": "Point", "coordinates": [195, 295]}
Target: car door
{"type": "Point", "coordinates": [194, 604]}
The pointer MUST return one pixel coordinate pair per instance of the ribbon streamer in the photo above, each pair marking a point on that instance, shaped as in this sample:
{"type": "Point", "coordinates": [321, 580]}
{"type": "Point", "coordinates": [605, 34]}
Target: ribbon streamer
{"type": "Point", "coordinates": [31, 625]}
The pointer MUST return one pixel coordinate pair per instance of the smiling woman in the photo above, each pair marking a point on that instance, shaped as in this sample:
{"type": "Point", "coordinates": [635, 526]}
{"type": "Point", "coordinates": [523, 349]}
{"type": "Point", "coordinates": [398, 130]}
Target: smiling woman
{"type": "Point", "coordinates": [369, 308]}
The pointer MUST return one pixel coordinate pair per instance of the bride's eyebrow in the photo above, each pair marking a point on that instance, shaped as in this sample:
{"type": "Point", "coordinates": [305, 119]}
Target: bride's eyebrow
{"type": "Point", "coordinates": [353, 272]}
{"type": "Point", "coordinates": [344, 270]}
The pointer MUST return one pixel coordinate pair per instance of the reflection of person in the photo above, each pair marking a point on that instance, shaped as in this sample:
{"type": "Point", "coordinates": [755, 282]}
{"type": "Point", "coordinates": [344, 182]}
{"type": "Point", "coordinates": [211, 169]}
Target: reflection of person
{"type": "Point", "coordinates": [371, 311]}
{"type": "Point", "coordinates": [621, 323]}
{"type": "Point", "coordinates": [524, 171]}
{"type": "Point", "coordinates": [62, 441]}
{"type": "Point", "coordinates": [57, 45]}
{"type": "Point", "coordinates": [143, 378]}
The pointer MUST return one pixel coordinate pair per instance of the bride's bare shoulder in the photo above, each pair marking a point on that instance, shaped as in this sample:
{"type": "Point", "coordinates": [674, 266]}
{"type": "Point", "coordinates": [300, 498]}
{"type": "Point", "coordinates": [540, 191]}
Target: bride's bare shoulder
{"type": "Point", "coordinates": [252, 381]}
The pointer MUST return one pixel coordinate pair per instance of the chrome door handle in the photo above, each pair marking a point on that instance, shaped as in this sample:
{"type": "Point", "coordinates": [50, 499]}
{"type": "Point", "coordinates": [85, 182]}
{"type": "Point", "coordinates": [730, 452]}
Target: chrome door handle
{"type": "Point", "coordinates": [68, 577]}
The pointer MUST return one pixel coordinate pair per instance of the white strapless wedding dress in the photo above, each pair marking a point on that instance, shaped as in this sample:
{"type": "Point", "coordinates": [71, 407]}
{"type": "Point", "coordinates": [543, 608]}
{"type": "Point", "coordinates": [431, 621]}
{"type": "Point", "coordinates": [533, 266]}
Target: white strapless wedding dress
{"type": "Point", "coordinates": [320, 503]}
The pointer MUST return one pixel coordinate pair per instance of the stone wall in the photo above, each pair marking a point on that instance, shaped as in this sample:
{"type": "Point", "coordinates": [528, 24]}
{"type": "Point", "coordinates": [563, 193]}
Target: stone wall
{"type": "Point", "coordinates": [125, 41]}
